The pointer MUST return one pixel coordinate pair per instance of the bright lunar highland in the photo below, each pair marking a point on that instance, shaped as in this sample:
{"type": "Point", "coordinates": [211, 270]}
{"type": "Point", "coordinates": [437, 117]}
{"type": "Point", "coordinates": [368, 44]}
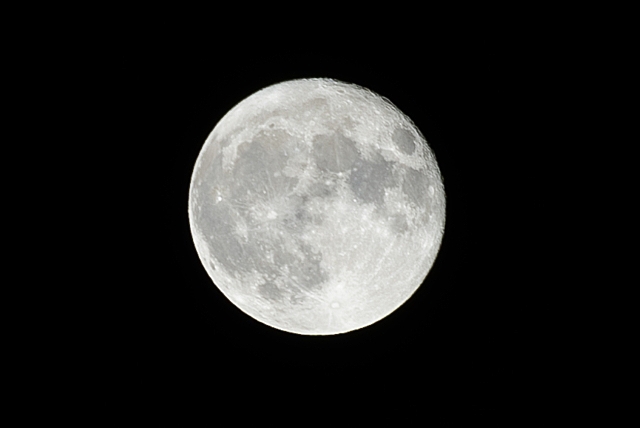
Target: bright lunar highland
{"type": "Point", "coordinates": [316, 206]}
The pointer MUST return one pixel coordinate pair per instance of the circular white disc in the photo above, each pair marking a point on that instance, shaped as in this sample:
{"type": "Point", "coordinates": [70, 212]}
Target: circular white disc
{"type": "Point", "coordinates": [316, 206]}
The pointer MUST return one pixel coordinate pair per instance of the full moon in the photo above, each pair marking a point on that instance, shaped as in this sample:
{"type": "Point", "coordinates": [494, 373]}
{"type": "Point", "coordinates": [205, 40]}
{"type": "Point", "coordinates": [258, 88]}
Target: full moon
{"type": "Point", "coordinates": [316, 206]}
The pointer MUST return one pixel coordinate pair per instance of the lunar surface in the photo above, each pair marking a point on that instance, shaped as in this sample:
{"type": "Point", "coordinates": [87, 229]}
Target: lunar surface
{"type": "Point", "coordinates": [316, 206]}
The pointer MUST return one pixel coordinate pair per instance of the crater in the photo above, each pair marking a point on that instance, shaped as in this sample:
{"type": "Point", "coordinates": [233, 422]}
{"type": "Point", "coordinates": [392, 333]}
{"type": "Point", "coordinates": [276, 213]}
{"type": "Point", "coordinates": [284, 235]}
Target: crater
{"type": "Point", "coordinates": [404, 140]}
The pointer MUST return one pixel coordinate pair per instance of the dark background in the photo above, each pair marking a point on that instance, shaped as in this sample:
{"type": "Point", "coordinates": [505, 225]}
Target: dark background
{"type": "Point", "coordinates": [470, 343]}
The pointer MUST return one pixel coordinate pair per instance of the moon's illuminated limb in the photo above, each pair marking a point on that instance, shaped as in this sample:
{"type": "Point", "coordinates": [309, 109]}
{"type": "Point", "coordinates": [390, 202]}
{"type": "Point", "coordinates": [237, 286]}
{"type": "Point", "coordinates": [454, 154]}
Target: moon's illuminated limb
{"type": "Point", "coordinates": [316, 206]}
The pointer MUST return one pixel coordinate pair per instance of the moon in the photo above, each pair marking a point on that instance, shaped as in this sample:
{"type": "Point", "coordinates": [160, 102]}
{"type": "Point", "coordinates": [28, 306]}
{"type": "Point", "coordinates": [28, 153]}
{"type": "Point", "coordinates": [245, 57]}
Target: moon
{"type": "Point", "coordinates": [316, 206]}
